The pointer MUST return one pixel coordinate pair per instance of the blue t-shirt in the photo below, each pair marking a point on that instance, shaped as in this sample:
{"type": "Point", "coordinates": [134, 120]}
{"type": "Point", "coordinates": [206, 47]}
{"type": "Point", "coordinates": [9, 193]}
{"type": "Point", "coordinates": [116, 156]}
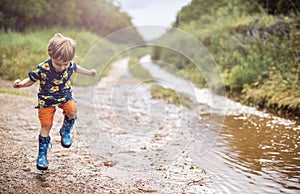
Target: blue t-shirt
{"type": "Point", "coordinates": [55, 87]}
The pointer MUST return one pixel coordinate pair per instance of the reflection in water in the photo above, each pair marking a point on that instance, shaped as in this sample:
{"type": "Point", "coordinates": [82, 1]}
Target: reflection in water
{"type": "Point", "coordinates": [265, 149]}
{"type": "Point", "coordinates": [262, 155]}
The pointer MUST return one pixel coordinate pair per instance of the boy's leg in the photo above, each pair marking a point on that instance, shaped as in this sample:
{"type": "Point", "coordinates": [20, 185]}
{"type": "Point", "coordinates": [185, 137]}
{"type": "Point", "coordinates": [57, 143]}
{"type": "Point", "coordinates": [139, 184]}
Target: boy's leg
{"type": "Point", "coordinates": [46, 120]}
{"type": "Point", "coordinates": [69, 111]}
{"type": "Point", "coordinates": [44, 144]}
{"type": "Point", "coordinates": [44, 132]}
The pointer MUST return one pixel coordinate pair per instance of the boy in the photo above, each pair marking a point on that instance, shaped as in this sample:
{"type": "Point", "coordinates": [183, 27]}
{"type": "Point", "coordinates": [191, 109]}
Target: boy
{"type": "Point", "coordinates": [55, 90]}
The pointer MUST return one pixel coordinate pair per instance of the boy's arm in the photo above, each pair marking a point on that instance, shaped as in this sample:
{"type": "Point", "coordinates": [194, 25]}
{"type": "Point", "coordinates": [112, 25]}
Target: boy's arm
{"type": "Point", "coordinates": [83, 71]}
{"type": "Point", "coordinates": [24, 83]}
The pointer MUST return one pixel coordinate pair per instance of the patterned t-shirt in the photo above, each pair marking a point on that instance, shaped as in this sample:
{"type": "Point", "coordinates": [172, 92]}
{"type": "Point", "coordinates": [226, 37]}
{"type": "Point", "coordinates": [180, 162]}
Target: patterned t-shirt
{"type": "Point", "coordinates": [55, 87]}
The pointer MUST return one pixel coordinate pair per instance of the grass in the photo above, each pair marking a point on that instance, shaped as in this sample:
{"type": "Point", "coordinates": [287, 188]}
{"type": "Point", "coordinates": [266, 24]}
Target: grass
{"type": "Point", "coordinates": [170, 96]}
{"type": "Point", "coordinates": [137, 70]}
{"type": "Point", "coordinates": [21, 52]}
{"type": "Point", "coordinates": [158, 92]}
{"type": "Point", "coordinates": [14, 92]}
{"type": "Point", "coordinates": [274, 94]}
{"type": "Point", "coordinates": [248, 46]}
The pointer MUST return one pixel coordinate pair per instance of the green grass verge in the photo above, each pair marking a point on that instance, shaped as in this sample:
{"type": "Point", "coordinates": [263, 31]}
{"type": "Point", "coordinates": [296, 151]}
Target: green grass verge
{"type": "Point", "coordinates": [14, 92]}
{"type": "Point", "coordinates": [158, 92]}
{"type": "Point", "coordinates": [137, 70]}
{"type": "Point", "coordinates": [170, 96]}
{"type": "Point", "coordinates": [275, 95]}
{"type": "Point", "coordinates": [22, 52]}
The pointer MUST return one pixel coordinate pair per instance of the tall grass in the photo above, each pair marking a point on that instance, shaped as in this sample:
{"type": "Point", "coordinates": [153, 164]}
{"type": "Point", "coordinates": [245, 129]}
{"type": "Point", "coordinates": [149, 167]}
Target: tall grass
{"type": "Point", "coordinates": [21, 52]}
{"type": "Point", "coordinates": [250, 47]}
{"type": "Point", "coordinates": [137, 70]}
{"type": "Point", "coordinates": [246, 45]}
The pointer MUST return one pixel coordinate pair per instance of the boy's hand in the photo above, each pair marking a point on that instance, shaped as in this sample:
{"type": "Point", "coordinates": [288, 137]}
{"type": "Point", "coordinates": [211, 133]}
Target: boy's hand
{"type": "Point", "coordinates": [93, 73]}
{"type": "Point", "coordinates": [24, 83]}
{"type": "Point", "coordinates": [17, 84]}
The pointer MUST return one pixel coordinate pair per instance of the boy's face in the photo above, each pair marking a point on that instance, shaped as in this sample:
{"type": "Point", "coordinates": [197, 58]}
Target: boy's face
{"type": "Point", "coordinates": [60, 65]}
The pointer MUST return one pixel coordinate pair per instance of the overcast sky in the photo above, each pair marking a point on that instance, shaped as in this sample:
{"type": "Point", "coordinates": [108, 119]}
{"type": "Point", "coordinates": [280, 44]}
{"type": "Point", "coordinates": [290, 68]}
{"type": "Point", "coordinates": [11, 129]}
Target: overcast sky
{"type": "Point", "coordinates": [152, 12]}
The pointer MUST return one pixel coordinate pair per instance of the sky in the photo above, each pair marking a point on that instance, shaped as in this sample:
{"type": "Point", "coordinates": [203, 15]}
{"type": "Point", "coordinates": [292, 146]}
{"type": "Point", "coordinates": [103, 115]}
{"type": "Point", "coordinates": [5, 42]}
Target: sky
{"type": "Point", "coordinates": [152, 12]}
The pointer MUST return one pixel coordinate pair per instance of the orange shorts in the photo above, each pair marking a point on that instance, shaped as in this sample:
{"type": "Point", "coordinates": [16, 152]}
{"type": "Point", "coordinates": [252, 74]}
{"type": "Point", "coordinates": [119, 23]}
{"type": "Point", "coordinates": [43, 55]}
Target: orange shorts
{"type": "Point", "coordinates": [46, 114]}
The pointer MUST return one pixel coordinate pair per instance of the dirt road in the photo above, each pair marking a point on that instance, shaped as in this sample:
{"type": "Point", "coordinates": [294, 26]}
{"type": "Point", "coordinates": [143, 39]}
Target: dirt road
{"type": "Point", "coordinates": [93, 164]}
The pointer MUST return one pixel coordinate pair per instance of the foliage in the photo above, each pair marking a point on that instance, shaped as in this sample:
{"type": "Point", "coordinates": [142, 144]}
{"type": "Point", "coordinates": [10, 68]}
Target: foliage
{"type": "Point", "coordinates": [248, 44]}
{"type": "Point", "coordinates": [17, 14]}
{"type": "Point", "coordinates": [207, 12]}
{"type": "Point", "coordinates": [14, 92]}
{"type": "Point", "coordinates": [180, 63]}
{"type": "Point", "coordinates": [275, 94]}
{"type": "Point", "coordinates": [279, 6]}
{"type": "Point", "coordinates": [21, 52]}
{"type": "Point", "coordinates": [170, 96]}
{"type": "Point", "coordinates": [98, 16]}
{"type": "Point", "coordinates": [137, 70]}
{"type": "Point", "coordinates": [245, 42]}
{"type": "Point", "coordinates": [258, 52]}
{"type": "Point", "coordinates": [197, 78]}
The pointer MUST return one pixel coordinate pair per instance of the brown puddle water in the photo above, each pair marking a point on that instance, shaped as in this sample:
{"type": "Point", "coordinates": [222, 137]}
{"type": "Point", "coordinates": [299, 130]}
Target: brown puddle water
{"type": "Point", "coordinates": [255, 154]}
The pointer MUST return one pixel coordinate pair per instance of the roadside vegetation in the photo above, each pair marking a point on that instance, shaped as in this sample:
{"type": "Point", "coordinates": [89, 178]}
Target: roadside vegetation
{"type": "Point", "coordinates": [171, 96]}
{"type": "Point", "coordinates": [25, 29]}
{"type": "Point", "coordinates": [255, 45]}
{"type": "Point", "coordinates": [21, 52]}
{"type": "Point", "coordinates": [100, 17]}
{"type": "Point", "coordinates": [137, 70]}
{"type": "Point", "coordinates": [157, 91]}
{"type": "Point", "coordinates": [14, 92]}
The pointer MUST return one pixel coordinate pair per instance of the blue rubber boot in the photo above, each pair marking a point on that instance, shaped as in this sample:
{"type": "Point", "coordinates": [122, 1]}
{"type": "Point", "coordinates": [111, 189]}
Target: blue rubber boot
{"type": "Point", "coordinates": [65, 132]}
{"type": "Point", "coordinates": [44, 144]}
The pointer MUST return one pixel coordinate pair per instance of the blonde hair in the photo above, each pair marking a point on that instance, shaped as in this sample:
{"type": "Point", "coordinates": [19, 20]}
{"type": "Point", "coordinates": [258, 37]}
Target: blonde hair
{"type": "Point", "coordinates": [61, 47]}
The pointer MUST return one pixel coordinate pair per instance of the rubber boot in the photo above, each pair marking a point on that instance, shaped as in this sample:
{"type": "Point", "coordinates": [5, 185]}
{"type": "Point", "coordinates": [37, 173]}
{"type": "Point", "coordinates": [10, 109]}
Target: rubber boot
{"type": "Point", "coordinates": [65, 132]}
{"type": "Point", "coordinates": [44, 144]}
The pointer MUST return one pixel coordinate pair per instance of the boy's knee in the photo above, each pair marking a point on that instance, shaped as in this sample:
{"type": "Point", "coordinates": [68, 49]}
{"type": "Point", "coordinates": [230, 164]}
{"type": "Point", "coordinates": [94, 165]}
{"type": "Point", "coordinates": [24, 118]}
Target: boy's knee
{"type": "Point", "coordinates": [46, 123]}
{"type": "Point", "coordinates": [72, 115]}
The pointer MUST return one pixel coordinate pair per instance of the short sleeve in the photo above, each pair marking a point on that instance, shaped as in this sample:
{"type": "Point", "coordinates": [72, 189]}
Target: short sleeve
{"type": "Point", "coordinates": [74, 66]}
{"type": "Point", "coordinates": [35, 75]}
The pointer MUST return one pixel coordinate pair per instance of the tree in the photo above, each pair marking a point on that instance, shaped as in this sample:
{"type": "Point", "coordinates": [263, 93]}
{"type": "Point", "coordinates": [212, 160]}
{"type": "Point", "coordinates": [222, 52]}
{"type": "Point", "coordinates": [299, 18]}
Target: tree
{"type": "Point", "coordinates": [18, 14]}
{"type": "Point", "coordinates": [279, 6]}
{"type": "Point", "coordinates": [99, 16]}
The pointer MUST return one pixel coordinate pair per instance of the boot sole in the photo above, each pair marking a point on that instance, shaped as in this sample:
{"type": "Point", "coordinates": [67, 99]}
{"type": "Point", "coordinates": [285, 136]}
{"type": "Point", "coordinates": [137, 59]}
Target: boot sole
{"type": "Point", "coordinates": [41, 168]}
{"type": "Point", "coordinates": [65, 146]}
{"type": "Point", "coordinates": [61, 142]}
